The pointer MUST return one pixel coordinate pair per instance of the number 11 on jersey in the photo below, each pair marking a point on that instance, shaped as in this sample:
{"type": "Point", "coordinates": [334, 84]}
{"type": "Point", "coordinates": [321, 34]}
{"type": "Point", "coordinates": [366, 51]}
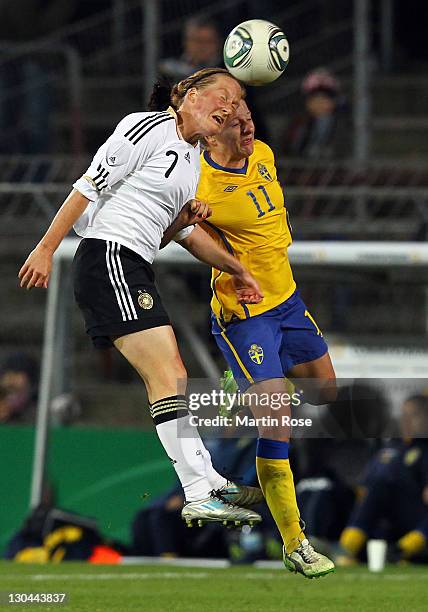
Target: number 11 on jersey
{"type": "Point", "coordinates": [260, 211]}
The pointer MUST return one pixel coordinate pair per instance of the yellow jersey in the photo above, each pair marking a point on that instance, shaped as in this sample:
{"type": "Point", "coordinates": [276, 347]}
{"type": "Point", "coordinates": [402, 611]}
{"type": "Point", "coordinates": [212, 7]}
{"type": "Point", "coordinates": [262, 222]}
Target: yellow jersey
{"type": "Point", "coordinates": [250, 220]}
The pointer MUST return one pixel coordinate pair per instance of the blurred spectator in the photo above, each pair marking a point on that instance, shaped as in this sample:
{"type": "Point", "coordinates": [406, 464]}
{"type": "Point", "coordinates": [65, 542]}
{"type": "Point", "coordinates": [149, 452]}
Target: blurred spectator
{"type": "Point", "coordinates": [49, 534]}
{"type": "Point", "coordinates": [18, 394]}
{"type": "Point", "coordinates": [394, 503]}
{"type": "Point", "coordinates": [26, 98]}
{"type": "Point", "coordinates": [18, 380]}
{"type": "Point", "coordinates": [319, 132]}
{"type": "Point", "coordinates": [201, 49]}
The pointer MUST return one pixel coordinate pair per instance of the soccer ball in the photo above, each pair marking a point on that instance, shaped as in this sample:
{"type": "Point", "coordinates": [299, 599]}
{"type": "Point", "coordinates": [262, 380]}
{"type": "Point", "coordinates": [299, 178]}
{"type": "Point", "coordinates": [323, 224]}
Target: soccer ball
{"type": "Point", "coordinates": [256, 52]}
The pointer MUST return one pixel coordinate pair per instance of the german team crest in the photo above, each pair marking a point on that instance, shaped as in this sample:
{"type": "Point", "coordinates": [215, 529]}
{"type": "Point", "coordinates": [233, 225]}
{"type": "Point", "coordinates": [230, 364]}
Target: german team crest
{"type": "Point", "coordinates": [256, 353]}
{"type": "Point", "coordinates": [264, 172]}
{"type": "Point", "coordinates": [145, 300]}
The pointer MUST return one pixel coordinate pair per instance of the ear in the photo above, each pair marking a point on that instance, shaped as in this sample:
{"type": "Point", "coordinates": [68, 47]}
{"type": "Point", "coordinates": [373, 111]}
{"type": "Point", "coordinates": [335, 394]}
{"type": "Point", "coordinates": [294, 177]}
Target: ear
{"type": "Point", "coordinates": [192, 94]}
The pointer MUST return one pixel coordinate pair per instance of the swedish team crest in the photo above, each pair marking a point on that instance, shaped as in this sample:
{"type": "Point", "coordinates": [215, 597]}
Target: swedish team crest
{"type": "Point", "coordinates": [256, 353]}
{"type": "Point", "coordinates": [145, 300]}
{"type": "Point", "coordinates": [264, 172]}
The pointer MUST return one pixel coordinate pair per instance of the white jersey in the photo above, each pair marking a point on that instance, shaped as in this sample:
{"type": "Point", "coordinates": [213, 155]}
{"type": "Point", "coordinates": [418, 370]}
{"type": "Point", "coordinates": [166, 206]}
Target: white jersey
{"type": "Point", "coordinates": [138, 182]}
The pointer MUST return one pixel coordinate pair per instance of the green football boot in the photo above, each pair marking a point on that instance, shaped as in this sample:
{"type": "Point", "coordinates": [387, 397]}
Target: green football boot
{"type": "Point", "coordinates": [307, 561]}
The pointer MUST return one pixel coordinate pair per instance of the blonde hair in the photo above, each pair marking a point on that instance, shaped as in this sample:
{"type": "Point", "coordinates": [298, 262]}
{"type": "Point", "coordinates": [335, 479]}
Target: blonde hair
{"type": "Point", "coordinates": [199, 80]}
{"type": "Point", "coordinates": [163, 95]}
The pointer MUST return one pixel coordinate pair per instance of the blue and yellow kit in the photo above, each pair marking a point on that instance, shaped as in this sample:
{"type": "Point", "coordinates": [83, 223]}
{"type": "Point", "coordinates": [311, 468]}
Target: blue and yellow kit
{"type": "Point", "coordinates": [249, 218]}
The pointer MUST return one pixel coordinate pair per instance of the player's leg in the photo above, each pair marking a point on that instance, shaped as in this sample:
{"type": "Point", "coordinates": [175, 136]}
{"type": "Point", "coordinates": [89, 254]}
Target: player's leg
{"type": "Point", "coordinates": [251, 348]}
{"type": "Point", "coordinates": [304, 353]}
{"type": "Point", "coordinates": [154, 354]}
{"type": "Point", "coordinates": [272, 461]}
{"type": "Point", "coordinates": [277, 482]}
{"type": "Point", "coordinates": [163, 372]}
{"type": "Point", "coordinates": [317, 379]}
{"type": "Point", "coordinates": [116, 291]}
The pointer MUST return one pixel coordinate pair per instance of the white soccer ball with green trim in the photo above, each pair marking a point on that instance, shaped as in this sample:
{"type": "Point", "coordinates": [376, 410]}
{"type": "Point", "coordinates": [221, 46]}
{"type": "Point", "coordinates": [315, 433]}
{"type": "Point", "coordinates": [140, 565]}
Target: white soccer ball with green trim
{"type": "Point", "coordinates": [256, 52]}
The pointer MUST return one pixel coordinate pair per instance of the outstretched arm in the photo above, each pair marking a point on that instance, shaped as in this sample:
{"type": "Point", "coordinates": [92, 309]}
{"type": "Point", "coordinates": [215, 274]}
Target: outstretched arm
{"type": "Point", "coordinates": [204, 248]}
{"type": "Point", "coordinates": [192, 213]}
{"type": "Point", "coordinates": [37, 267]}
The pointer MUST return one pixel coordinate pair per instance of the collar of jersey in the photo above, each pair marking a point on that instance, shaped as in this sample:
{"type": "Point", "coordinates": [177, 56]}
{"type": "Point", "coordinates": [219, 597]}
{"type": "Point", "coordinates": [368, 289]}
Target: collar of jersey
{"type": "Point", "coordinates": [172, 112]}
{"type": "Point", "coordinates": [212, 163]}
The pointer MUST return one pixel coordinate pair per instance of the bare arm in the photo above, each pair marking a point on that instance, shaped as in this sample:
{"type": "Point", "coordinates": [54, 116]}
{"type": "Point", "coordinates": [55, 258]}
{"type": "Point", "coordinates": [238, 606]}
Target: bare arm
{"type": "Point", "coordinates": [37, 267]}
{"type": "Point", "coordinates": [204, 248]}
{"type": "Point", "coordinates": [192, 213]}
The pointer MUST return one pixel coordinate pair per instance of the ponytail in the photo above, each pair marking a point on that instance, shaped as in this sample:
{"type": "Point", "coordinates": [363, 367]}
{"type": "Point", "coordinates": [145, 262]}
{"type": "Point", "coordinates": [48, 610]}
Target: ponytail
{"type": "Point", "coordinates": [160, 97]}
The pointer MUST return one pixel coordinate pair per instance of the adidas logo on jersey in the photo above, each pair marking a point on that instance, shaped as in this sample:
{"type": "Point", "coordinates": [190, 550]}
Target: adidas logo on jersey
{"type": "Point", "coordinates": [187, 156]}
{"type": "Point", "coordinates": [231, 188]}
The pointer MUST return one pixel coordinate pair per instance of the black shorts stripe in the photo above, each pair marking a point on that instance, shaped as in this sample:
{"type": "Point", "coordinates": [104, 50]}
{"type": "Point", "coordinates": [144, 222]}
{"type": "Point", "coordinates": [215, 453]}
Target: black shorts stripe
{"type": "Point", "coordinates": [143, 123]}
{"type": "Point", "coordinates": [116, 291]}
{"type": "Point", "coordinates": [147, 130]}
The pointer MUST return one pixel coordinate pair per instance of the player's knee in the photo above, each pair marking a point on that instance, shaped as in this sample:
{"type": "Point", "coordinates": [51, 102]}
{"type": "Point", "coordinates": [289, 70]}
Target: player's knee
{"type": "Point", "coordinates": [328, 393]}
{"type": "Point", "coordinates": [175, 376]}
{"type": "Point", "coordinates": [167, 379]}
{"type": "Point", "coordinates": [179, 372]}
{"type": "Point", "coordinates": [320, 392]}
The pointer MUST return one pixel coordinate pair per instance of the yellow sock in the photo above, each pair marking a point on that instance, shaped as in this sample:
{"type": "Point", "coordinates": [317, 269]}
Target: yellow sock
{"type": "Point", "coordinates": [412, 543]}
{"type": "Point", "coordinates": [276, 481]}
{"type": "Point", "coordinates": [352, 540]}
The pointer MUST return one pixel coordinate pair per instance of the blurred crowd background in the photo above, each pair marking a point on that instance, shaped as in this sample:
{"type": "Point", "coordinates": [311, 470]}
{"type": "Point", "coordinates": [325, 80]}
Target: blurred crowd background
{"type": "Point", "coordinates": [348, 123]}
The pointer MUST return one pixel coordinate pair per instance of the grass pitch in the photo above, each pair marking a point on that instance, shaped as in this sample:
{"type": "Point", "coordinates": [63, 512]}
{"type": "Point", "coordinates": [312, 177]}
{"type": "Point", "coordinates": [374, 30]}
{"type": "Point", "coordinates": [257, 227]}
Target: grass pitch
{"type": "Point", "coordinates": [239, 589]}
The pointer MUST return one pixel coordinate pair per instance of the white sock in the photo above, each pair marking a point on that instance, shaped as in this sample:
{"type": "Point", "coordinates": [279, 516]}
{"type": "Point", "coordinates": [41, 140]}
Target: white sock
{"type": "Point", "coordinates": [217, 481]}
{"type": "Point", "coordinates": [182, 446]}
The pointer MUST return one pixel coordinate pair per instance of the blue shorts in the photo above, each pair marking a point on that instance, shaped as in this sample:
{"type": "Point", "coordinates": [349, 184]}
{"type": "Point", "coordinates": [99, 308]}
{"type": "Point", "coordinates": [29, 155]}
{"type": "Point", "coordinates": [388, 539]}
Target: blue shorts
{"type": "Point", "coordinates": [268, 345]}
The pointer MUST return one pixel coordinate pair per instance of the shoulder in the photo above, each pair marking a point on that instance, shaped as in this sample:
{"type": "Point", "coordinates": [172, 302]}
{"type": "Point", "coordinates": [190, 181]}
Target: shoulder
{"type": "Point", "coordinates": [137, 136]}
{"type": "Point", "coordinates": [261, 149]}
{"type": "Point", "coordinates": [136, 126]}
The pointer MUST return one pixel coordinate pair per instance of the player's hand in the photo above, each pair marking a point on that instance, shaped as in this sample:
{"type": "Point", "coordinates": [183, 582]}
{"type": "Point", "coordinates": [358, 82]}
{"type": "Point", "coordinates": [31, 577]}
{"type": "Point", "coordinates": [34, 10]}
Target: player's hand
{"type": "Point", "coordinates": [37, 268]}
{"type": "Point", "coordinates": [194, 212]}
{"type": "Point", "coordinates": [425, 495]}
{"type": "Point", "coordinates": [246, 288]}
